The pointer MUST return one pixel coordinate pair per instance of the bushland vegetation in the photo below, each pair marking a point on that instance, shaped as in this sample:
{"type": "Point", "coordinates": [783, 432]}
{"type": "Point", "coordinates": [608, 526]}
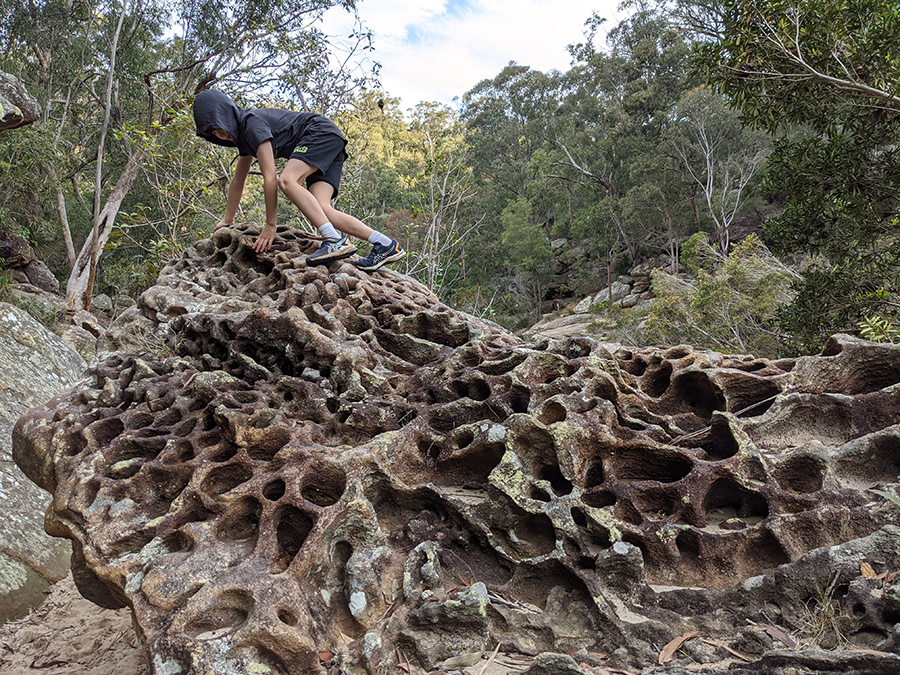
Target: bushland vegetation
{"type": "Point", "coordinates": [691, 125]}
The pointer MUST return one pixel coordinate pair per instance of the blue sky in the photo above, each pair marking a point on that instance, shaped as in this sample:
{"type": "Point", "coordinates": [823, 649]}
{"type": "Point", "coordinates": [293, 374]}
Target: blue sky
{"type": "Point", "coordinates": [435, 50]}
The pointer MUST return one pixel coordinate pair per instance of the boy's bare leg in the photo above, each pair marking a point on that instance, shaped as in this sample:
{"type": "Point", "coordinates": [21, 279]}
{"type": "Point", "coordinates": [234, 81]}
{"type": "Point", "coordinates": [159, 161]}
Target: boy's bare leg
{"type": "Point", "coordinates": [315, 202]}
{"type": "Point", "coordinates": [344, 222]}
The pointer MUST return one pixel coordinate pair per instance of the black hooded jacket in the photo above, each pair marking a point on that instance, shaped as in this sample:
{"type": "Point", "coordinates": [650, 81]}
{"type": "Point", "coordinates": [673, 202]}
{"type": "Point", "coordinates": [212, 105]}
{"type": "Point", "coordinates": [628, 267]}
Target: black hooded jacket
{"type": "Point", "coordinates": [249, 128]}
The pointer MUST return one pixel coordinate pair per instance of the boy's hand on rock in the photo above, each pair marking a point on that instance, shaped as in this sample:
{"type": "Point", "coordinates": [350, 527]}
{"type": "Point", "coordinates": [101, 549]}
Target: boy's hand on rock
{"type": "Point", "coordinates": [222, 224]}
{"type": "Point", "coordinates": [264, 240]}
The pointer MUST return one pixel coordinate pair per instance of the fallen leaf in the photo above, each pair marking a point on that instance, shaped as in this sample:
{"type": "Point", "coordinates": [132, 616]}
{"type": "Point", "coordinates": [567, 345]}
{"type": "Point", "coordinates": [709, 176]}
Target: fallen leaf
{"type": "Point", "coordinates": [461, 661]}
{"type": "Point", "coordinates": [598, 655]}
{"type": "Point", "coordinates": [669, 650]}
{"type": "Point", "coordinates": [778, 634]}
{"type": "Point", "coordinates": [890, 577]}
{"type": "Point", "coordinates": [326, 656]}
{"type": "Point", "coordinates": [866, 570]}
{"type": "Point", "coordinates": [727, 649]}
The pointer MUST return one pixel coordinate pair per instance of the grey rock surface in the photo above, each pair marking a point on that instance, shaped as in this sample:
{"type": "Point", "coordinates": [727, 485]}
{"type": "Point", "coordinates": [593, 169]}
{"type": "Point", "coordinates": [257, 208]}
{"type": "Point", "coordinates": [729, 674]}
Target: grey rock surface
{"type": "Point", "coordinates": [35, 365]}
{"type": "Point", "coordinates": [17, 106]}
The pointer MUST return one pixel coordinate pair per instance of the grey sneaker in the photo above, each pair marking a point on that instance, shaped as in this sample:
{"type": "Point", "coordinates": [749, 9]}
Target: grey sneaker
{"type": "Point", "coordinates": [380, 256]}
{"type": "Point", "coordinates": [332, 249]}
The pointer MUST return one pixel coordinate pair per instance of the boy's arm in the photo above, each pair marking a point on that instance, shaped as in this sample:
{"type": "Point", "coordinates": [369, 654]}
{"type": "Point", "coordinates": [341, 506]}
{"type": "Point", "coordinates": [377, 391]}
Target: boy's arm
{"type": "Point", "coordinates": [235, 190]}
{"type": "Point", "coordinates": [265, 155]}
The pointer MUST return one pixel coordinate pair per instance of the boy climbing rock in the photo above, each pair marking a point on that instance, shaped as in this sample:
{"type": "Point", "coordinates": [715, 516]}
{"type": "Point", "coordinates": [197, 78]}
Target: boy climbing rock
{"type": "Point", "coordinates": [314, 148]}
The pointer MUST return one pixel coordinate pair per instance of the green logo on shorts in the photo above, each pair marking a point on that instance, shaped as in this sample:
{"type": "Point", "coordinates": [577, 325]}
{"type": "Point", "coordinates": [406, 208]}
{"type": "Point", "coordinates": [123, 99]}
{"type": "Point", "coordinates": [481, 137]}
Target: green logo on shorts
{"type": "Point", "coordinates": [302, 148]}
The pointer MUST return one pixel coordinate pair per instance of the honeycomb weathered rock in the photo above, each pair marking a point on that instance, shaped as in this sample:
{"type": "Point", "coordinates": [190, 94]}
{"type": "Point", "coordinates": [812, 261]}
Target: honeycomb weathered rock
{"type": "Point", "coordinates": [321, 460]}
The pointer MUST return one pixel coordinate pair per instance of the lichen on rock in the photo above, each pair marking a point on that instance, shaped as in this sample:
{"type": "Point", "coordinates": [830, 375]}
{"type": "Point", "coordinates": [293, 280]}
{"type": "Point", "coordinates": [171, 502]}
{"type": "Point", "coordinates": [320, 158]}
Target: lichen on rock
{"type": "Point", "coordinates": [279, 461]}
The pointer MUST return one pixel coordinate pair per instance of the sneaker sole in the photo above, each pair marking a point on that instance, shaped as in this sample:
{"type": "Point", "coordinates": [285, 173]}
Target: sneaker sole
{"type": "Point", "coordinates": [334, 255]}
{"type": "Point", "coordinates": [389, 259]}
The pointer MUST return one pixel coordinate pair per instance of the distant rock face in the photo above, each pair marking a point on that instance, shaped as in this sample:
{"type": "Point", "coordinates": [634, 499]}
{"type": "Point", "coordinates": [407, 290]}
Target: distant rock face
{"type": "Point", "coordinates": [17, 106]}
{"type": "Point", "coordinates": [35, 365]}
{"type": "Point", "coordinates": [289, 469]}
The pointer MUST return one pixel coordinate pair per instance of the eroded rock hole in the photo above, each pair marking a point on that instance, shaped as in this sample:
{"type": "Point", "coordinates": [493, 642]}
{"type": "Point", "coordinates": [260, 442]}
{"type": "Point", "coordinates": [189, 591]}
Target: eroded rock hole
{"type": "Point", "coordinates": [871, 462]}
{"type": "Point", "coordinates": [224, 454]}
{"type": "Point", "coordinates": [327, 484]}
{"type": "Point", "coordinates": [718, 442]}
{"type": "Point", "coordinates": [106, 430]}
{"type": "Point", "coordinates": [76, 443]}
{"type": "Point", "coordinates": [472, 467]}
{"type": "Point", "coordinates": [209, 439]}
{"type": "Point", "coordinates": [501, 366]}
{"type": "Point", "coordinates": [656, 504]}
{"type": "Point", "coordinates": [525, 535]}
{"type": "Point", "coordinates": [632, 366]}
{"type": "Point", "coordinates": [287, 617]}
{"type": "Point", "coordinates": [594, 476]}
{"type": "Point", "coordinates": [138, 420]}
{"type": "Point", "coordinates": [598, 498]}
{"type": "Point", "coordinates": [429, 451]}
{"type": "Point", "coordinates": [274, 490]}
{"type": "Point", "coordinates": [764, 552]}
{"type": "Point", "coordinates": [727, 500]}
{"type": "Point", "coordinates": [539, 495]}
{"type": "Point", "coordinates": [552, 412]}
{"type": "Point", "coordinates": [241, 521]}
{"type": "Point", "coordinates": [800, 474]}
{"type": "Point", "coordinates": [464, 439]}
{"type": "Point", "coordinates": [291, 530]}
{"type": "Point", "coordinates": [131, 543]}
{"type": "Point", "coordinates": [177, 542]}
{"type": "Point", "coordinates": [518, 398]}
{"type": "Point", "coordinates": [265, 449]}
{"type": "Point", "coordinates": [406, 417]}
{"type": "Point", "coordinates": [224, 478]}
{"type": "Point", "coordinates": [635, 464]}
{"type": "Point", "coordinates": [229, 611]}
{"type": "Point", "coordinates": [698, 394]}
{"type": "Point", "coordinates": [552, 474]}
{"type": "Point", "coordinates": [656, 379]}
{"type": "Point", "coordinates": [579, 517]}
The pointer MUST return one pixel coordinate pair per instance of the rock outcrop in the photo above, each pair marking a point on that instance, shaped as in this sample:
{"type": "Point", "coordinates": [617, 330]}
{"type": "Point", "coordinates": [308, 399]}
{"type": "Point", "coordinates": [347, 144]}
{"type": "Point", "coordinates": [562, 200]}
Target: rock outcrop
{"type": "Point", "coordinates": [17, 106]}
{"type": "Point", "coordinates": [22, 266]}
{"type": "Point", "coordinates": [35, 365]}
{"type": "Point", "coordinates": [293, 469]}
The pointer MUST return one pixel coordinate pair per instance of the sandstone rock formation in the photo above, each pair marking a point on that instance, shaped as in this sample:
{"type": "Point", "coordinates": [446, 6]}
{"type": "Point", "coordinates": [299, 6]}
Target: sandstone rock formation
{"type": "Point", "coordinates": [35, 365]}
{"type": "Point", "coordinates": [17, 106]}
{"type": "Point", "coordinates": [292, 469]}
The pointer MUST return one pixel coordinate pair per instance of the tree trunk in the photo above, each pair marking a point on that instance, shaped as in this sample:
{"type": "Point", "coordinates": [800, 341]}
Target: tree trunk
{"type": "Point", "coordinates": [77, 286]}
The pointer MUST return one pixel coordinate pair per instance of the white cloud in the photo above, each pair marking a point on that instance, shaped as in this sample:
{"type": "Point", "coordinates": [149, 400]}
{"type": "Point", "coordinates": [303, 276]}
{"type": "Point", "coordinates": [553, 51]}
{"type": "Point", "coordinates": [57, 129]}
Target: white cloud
{"type": "Point", "coordinates": [436, 50]}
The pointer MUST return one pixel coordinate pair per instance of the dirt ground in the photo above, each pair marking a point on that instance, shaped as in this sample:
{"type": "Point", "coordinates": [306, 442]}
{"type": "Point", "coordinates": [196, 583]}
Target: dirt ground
{"type": "Point", "coordinates": [68, 635]}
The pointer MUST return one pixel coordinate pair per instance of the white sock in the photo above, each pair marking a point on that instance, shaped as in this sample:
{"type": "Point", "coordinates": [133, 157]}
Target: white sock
{"type": "Point", "coordinates": [378, 238]}
{"type": "Point", "coordinates": [328, 231]}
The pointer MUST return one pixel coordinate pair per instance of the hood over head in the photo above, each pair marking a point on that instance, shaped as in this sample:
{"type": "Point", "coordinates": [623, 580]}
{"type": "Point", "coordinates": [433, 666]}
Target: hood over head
{"type": "Point", "coordinates": [214, 110]}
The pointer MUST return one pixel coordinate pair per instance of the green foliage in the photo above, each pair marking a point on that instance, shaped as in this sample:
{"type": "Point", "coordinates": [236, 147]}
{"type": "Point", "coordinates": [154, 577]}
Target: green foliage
{"type": "Point", "coordinates": [526, 241]}
{"type": "Point", "coordinates": [879, 329]}
{"type": "Point", "coordinates": [732, 304]}
{"type": "Point", "coordinates": [832, 66]}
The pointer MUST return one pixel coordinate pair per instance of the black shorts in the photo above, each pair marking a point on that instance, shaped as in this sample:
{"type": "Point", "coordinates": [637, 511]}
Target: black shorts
{"type": "Point", "coordinates": [326, 153]}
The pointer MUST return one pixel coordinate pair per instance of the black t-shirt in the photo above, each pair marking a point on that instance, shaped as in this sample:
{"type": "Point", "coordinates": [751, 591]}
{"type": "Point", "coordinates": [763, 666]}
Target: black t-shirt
{"type": "Point", "coordinates": [249, 128]}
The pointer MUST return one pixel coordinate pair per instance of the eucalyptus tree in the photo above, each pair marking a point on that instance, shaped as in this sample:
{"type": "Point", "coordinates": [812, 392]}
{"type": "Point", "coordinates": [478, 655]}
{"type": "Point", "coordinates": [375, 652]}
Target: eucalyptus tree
{"type": "Point", "coordinates": [834, 67]}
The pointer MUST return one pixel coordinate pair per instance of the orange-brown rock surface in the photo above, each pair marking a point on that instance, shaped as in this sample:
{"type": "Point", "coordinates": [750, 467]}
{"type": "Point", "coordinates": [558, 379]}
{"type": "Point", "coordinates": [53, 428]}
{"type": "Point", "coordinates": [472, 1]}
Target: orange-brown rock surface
{"type": "Point", "coordinates": [292, 469]}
